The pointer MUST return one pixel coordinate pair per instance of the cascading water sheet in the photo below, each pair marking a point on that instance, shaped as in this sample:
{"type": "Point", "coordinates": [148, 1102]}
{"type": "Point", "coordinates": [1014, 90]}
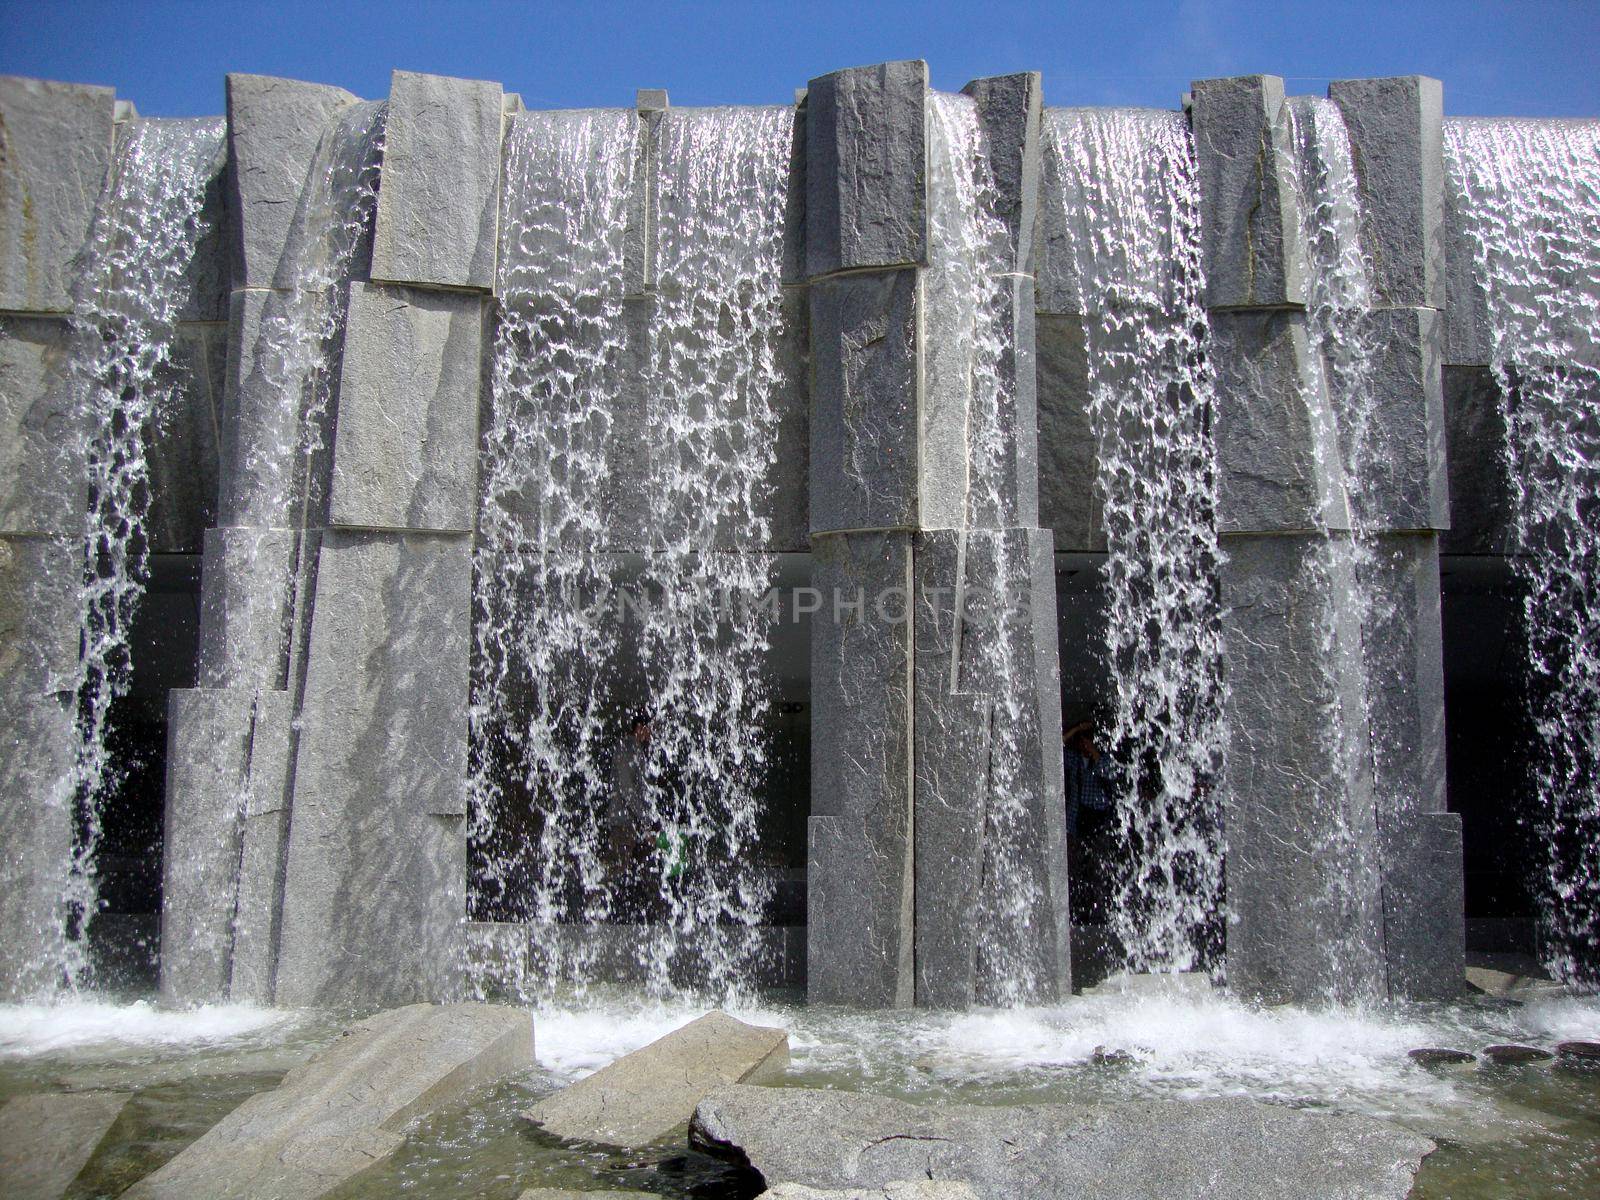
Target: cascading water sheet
{"type": "Point", "coordinates": [1529, 196]}
{"type": "Point", "coordinates": [126, 309]}
{"type": "Point", "coordinates": [1132, 205]}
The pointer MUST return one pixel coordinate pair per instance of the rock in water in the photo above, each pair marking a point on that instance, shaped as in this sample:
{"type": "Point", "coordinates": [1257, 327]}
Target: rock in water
{"type": "Point", "coordinates": [542, 1193]}
{"type": "Point", "coordinates": [1584, 1053]}
{"type": "Point", "coordinates": [647, 1093]}
{"type": "Point", "coordinates": [347, 1109]}
{"type": "Point", "coordinates": [1510, 1053]}
{"type": "Point", "coordinates": [1430, 1056]}
{"type": "Point", "coordinates": [1162, 1149]}
{"type": "Point", "coordinates": [46, 1140]}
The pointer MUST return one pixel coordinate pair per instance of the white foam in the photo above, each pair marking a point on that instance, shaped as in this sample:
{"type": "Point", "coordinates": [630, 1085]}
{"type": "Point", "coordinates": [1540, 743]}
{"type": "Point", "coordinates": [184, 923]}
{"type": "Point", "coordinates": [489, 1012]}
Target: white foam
{"type": "Point", "coordinates": [28, 1030]}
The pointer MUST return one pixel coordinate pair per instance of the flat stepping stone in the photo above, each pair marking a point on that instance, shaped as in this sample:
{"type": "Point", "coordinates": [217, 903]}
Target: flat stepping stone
{"type": "Point", "coordinates": [46, 1140]}
{"type": "Point", "coordinates": [1431, 1056]}
{"type": "Point", "coordinates": [1511, 1053]}
{"type": "Point", "coordinates": [652, 1091]}
{"type": "Point", "coordinates": [348, 1108]}
{"type": "Point", "coordinates": [906, 1189]}
{"type": "Point", "coordinates": [1584, 1052]}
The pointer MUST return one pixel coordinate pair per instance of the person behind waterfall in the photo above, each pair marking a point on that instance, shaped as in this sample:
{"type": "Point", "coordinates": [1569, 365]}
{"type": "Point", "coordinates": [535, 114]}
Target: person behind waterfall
{"type": "Point", "coordinates": [1089, 792]}
{"type": "Point", "coordinates": [1088, 783]}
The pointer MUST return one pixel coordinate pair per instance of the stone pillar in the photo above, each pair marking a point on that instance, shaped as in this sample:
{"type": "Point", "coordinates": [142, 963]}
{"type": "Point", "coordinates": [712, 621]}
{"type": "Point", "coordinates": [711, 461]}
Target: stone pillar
{"type": "Point", "coordinates": [375, 875]}
{"type": "Point", "coordinates": [55, 152]}
{"type": "Point", "coordinates": [866, 237]}
{"type": "Point", "coordinates": [1397, 141]}
{"type": "Point", "coordinates": [219, 767]}
{"type": "Point", "coordinates": [908, 563]}
{"type": "Point", "coordinates": [1305, 919]}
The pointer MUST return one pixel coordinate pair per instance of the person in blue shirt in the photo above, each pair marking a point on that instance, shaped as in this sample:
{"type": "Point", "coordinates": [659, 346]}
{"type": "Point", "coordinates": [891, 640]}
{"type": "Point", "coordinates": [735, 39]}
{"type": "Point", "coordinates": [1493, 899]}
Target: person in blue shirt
{"type": "Point", "coordinates": [1089, 783]}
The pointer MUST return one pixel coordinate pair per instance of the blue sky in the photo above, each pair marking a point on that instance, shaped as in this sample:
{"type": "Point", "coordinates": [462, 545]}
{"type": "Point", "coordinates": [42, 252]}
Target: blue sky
{"type": "Point", "coordinates": [1535, 58]}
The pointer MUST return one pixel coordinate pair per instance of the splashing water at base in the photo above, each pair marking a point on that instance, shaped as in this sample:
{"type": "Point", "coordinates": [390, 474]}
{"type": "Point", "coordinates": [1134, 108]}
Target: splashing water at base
{"type": "Point", "coordinates": [1529, 196]}
{"type": "Point", "coordinates": [1132, 204]}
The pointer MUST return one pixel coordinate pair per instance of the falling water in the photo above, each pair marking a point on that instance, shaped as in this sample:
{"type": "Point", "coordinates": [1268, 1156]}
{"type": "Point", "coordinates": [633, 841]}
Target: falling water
{"type": "Point", "coordinates": [543, 704]}
{"type": "Point", "coordinates": [125, 315]}
{"type": "Point", "coordinates": [706, 637]}
{"type": "Point", "coordinates": [694, 364]}
{"type": "Point", "coordinates": [1529, 195]}
{"type": "Point", "coordinates": [968, 284]}
{"type": "Point", "coordinates": [1132, 204]}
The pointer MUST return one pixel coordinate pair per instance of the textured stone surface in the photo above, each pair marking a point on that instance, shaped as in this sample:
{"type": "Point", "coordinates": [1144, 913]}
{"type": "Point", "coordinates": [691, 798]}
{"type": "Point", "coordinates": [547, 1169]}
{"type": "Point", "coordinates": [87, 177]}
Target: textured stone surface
{"type": "Point", "coordinates": [1396, 128]}
{"type": "Point", "coordinates": [902, 1189]}
{"type": "Point", "coordinates": [1147, 1148]}
{"type": "Point", "coordinates": [864, 420]}
{"type": "Point", "coordinates": [42, 467]}
{"type": "Point", "coordinates": [1303, 873]}
{"type": "Point", "coordinates": [259, 433]}
{"type": "Point", "coordinates": [570, 1194]}
{"type": "Point", "coordinates": [1249, 225]}
{"type": "Point", "coordinates": [1060, 291]}
{"type": "Point", "coordinates": [866, 168]}
{"type": "Point", "coordinates": [644, 1095]}
{"type": "Point", "coordinates": [55, 152]}
{"type": "Point", "coordinates": [1480, 484]}
{"type": "Point", "coordinates": [185, 451]}
{"type": "Point", "coordinates": [1466, 314]}
{"type": "Point", "coordinates": [349, 1107]}
{"type": "Point", "coordinates": [208, 278]}
{"type": "Point", "coordinates": [38, 653]}
{"type": "Point", "coordinates": [208, 748]}
{"type": "Point", "coordinates": [1068, 502]}
{"type": "Point", "coordinates": [1407, 486]}
{"type": "Point", "coordinates": [244, 606]}
{"type": "Point", "coordinates": [376, 872]}
{"type": "Point", "coordinates": [1425, 937]}
{"type": "Point", "coordinates": [439, 205]}
{"type": "Point", "coordinates": [859, 880]}
{"type": "Point", "coordinates": [1271, 474]}
{"type": "Point", "coordinates": [263, 840]}
{"type": "Point", "coordinates": [406, 450]}
{"type": "Point", "coordinates": [1009, 110]}
{"type": "Point", "coordinates": [274, 126]}
{"type": "Point", "coordinates": [45, 1140]}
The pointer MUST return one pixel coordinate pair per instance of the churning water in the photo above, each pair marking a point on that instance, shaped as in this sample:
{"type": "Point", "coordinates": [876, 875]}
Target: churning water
{"type": "Point", "coordinates": [1529, 195]}
{"type": "Point", "coordinates": [624, 417]}
{"type": "Point", "coordinates": [126, 306]}
{"type": "Point", "coordinates": [1131, 199]}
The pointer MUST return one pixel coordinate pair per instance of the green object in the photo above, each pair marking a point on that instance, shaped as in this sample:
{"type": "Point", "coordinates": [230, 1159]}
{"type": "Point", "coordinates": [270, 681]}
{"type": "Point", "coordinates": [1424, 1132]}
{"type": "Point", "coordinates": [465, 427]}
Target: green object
{"type": "Point", "coordinates": [672, 845]}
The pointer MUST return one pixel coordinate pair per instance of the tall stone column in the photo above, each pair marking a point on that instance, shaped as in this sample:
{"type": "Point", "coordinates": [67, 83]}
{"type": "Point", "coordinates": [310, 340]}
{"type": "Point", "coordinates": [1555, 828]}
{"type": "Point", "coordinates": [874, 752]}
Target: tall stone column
{"type": "Point", "coordinates": [375, 869]}
{"type": "Point", "coordinates": [1397, 141]}
{"type": "Point", "coordinates": [228, 785]}
{"type": "Point", "coordinates": [1305, 916]}
{"type": "Point", "coordinates": [55, 153]}
{"type": "Point", "coordinates": [937, 593]}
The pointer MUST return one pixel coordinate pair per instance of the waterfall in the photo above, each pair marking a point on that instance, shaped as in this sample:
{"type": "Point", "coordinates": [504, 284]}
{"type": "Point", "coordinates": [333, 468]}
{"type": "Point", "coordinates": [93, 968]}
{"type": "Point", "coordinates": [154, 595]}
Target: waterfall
{"type": "Point", "coordinates": [1132, 204]}
{"type": "Point", "coordinates": [1529, 195]}
{"type": "Point", "coordinates": [968, 284]}
{"type": "Point", "coordinates": [125, 314]}
{"type": "Point", "coordinates": [611, 409]}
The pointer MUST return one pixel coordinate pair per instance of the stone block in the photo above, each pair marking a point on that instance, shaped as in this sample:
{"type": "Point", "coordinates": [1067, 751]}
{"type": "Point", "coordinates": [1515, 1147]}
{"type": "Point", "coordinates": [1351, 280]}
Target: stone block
{"type": "Point", "coordinates": [274, 127]}
{"type": "Point", "coordinates": [46, 1140]}
{"type": "Point", "coordinates": [866, 168]}
{"type": "Point", "coordinates": [900, 1189]}
{"type": "Point", "coordinates": [1424, 899]}
{"type": "Point", "coordinates": [864, 403]}
{"type": "Point", "coordinates": [1009, 111]}
{"type": "Point", "coordinates": [263, 842]}
{"type": "Point", "coordinates": [208, 759]}
{"type": "Point", "coordinates": [789, 495]}
{"type": "Point", "coordinates": [184, 452]}
{"type": "Point", "coordinates": [543, 1193]}
{"type": "Point", "coordinates": [1055, 265]}
{"type": "Point", "coordinates": [208, 279]}
{"type": "Point", "coordinates": [1136, 1148]}
{"type": "Point", "coordinates": [1278, 463]}
{"type": "Point", "coordinates": [350, 1106]}
{"type": "Point", "coordinates": [439, 206]}
{"type": "Point", "coordinates": [645, 1095]}
{"type": "Point", "coordinates": [1406, 484]}
{"type": "Point", "coordinates": [42, 465]}
{"type": "Point", "coordinates": [406, 447]}
{"type": "Point", "coordinates": [55, 155]}
{"type": "Point", "coordinates": [245, 607]}
{"type": "Point", "coordinates": [1303, 870]}
{"type": "Point", "coordinates": [1069, 503]}
{"type": "Point", "coordinates": [1481, 513]}
{"type": "Point", "coordinates": [260, 431]}
{"type": "Point", "coordinates": [859, 858]}
{"type": "Point", "coordinates": [1249, 219]}
{"type": "Point", "coordinates": [1396, 128]}
{"type": "Point", "coordinates": [1466, 310]}
{"type": "Point", "coordinates": [38, 656]}
{"type": "Point", "coordinates": [374, 895]}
